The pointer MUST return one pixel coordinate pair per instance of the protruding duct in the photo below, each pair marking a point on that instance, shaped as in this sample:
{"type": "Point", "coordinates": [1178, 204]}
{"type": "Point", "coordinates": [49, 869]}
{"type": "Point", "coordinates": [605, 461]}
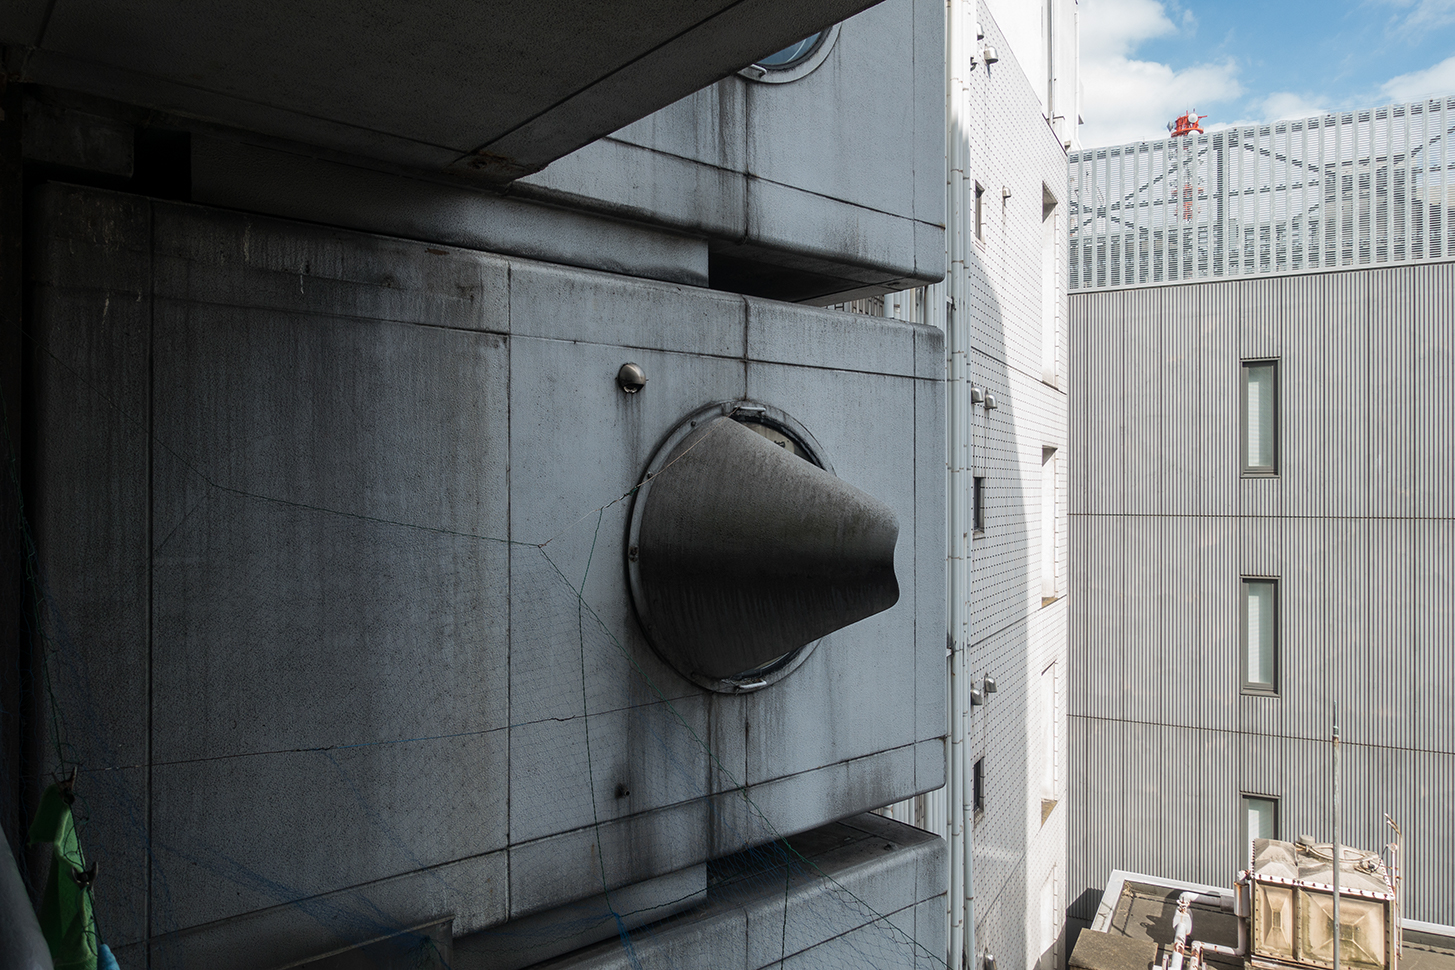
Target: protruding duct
{"type": "Point", "coordinates": [743, 553]}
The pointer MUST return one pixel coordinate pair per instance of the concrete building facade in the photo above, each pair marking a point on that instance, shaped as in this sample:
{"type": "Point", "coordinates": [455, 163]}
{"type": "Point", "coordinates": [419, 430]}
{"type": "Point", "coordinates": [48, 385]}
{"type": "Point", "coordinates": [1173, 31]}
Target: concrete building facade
{"type": "Point", "coordinates": [331, 466]}
{"type": "Point", "coordinates": [1263, 343]}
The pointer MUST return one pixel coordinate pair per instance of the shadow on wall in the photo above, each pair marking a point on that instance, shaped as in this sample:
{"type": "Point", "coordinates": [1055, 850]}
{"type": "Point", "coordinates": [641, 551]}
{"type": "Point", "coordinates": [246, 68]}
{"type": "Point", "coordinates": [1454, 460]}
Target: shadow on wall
{"type": "Point", "coordinates": [999, 636]}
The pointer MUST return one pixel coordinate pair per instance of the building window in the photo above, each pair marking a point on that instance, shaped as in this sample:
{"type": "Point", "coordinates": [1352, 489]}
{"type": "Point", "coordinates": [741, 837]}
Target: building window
{"type": "Point", "coordinates": [1051, 911]}
{"type": "Point", "coordinates": [1260, 417]}
{"type": "Point", "coordinates": [1260, 635]}
{"type": "Point", "coordinates": [1260, 821]}
{"type": "Point", "coordinates": [793, 53]}
{"type": "Point", "coordinates": [1050, 301]}
{"type": "Point", "coordinates": [979, 789]}
{"type": "Point", "coordinates": [794, 61]}
{"type": "Point", "coordinates": [1048, 525]}
{"type": "Point", "coordinates": [979, 499]}
{"type": "Point", "coordinates": [979, 212]}
{"type": "Point", "coordinates": [1050, 755]}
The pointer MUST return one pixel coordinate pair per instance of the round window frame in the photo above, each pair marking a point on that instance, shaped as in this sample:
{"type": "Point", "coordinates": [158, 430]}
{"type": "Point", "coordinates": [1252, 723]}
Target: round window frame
{"type": "Point", "coordinates": [746, 412]}
{"type": "Point", "coordinates": [794, 70]}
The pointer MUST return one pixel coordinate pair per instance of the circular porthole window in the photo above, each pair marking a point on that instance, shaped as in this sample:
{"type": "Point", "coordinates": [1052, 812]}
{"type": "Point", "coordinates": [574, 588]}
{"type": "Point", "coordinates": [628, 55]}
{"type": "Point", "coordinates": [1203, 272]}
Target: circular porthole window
{"type": "Point", "coordinates": [795, 60]}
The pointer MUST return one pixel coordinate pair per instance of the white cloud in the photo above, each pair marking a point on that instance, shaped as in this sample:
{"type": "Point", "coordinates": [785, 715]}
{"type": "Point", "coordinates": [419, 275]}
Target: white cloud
{"type": "Point", "coordinates": [1436, 80]}
{"type": "Point", "coordinates": [1426, 13]}
{"type": "Point", "coordinates": [1127, 100]}
{"type": "Point", "coordinates": [1282, 105]}
{"type": "Point", "coordinates": [1279, 106]}
{"type": "Point", "coordinates": [1114, 28]}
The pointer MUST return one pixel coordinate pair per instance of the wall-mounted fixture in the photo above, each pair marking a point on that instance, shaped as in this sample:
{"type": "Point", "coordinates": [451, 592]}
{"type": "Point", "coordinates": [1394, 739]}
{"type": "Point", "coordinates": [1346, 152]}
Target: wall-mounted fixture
{"type": "Point", "coordinates": [989, 962]}
{"type": "Point", "coordinates": [990, 687]}
{"type": "Point", "coordinates": [977, 395]}
{"type": "Point", "coordinates": [990, 54]}
{"type": "Point", "coordinates": [990, 404]}
{"type": "Point", "coordinates": [631, 378]}
{"type": "Point", "coordinates": [1004, 193]}
{"type": "Point", "coordinates": [743, 551]}
{"type": "Point", "coordinates": [976, 698]}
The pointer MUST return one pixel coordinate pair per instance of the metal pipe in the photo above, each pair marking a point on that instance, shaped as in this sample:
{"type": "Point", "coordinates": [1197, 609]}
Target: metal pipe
{"type": "Point", "coordinates": [957, 369]}
{"type": "Point", "coordinates": [1208, 899]}
{"type": "Point", "coordinates": [1338, 925]}
{"type": "Point", "coordinates": [1182, 928]}
{"type": "Point", "coordinates": [968, 45]}
{"type": "Point", "coordinates": [1397, 875]}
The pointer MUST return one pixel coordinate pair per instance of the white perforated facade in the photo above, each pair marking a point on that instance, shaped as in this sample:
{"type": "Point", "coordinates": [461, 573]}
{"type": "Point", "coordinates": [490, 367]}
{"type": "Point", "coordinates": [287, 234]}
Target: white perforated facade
{"type": "Point", "coordinates": [1361, 188]}
{"type": "Point", "coordinates": [1005, 311]}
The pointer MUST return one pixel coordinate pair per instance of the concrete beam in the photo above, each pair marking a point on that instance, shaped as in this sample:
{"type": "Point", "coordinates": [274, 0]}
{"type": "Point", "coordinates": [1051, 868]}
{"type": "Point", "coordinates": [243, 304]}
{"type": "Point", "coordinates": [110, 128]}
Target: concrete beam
{"type": "Point", "coordinates": [493, 90]}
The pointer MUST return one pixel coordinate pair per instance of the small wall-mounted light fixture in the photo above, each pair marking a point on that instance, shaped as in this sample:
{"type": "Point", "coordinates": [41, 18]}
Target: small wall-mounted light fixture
{"type": "Point", "coordinates": [976, 698]}
{"type": "Point", "coordinates": [990, 404]}
{"type": "Point", "coordinates": [990, 54]}
{"type": "Point", "coordinates": [977, 395]}
{"type": "Point", "coordinates": [631, 378]}
{"type": "Point", "coordinates": [990, 687]}
{"type": "Point", "coordinates": [989, 962]}
{"type": "Point", "coordinates": [1004, 193]}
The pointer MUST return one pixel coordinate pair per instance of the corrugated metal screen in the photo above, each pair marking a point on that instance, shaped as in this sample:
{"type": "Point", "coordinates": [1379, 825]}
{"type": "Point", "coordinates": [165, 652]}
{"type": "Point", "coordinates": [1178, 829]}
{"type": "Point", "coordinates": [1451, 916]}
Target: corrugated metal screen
{"type": "Point", "coordinates": [1360, 188]}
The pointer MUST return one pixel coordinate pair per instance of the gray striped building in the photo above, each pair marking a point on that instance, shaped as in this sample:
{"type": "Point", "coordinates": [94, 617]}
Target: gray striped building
{"type": "Point", "coordinates": [1262, 520]}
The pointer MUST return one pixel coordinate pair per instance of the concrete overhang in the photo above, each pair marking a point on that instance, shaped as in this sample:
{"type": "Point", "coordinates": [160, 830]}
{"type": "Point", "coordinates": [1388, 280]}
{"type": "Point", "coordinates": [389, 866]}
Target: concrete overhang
{"type": "Point", "coordinates": [495, 90]}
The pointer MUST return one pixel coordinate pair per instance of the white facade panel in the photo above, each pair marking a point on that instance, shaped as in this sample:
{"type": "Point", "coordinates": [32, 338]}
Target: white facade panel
{"type": "Point", "coordinates": [1005, 307]}
{"type": "Point", "coordinates": [1356, 528]}
{"type": "Point", "coordinates": [1361, 188]}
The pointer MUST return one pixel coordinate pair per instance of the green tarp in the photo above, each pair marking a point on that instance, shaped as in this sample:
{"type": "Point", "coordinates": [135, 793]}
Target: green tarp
{"type": "Point", "coordinates": [65, 908]}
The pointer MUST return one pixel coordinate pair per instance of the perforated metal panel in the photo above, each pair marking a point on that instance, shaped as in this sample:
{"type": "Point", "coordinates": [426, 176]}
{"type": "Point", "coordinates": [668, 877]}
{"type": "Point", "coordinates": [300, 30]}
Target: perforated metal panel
{"type": "Point", "coordinates": [1359, 188]}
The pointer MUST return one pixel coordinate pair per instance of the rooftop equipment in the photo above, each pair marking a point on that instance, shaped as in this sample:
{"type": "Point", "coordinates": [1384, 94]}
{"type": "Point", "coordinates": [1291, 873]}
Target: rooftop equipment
{"type": "Point", "coordinates": [1186, 124]}
{"type": "Point", "coordinates": [1292, 915]}
{"type": "Point", "coordinates": [1286, 914]}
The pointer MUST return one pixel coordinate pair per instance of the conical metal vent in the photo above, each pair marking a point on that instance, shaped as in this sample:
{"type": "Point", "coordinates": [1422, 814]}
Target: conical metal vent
{"type": "Point", "coordinates": [743, 552]}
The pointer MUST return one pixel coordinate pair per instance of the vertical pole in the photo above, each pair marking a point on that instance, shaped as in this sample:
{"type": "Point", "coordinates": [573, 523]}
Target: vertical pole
{"type": "Point", "coordinates": [958, 432]}
{"type": "Point", "coordinates": [1396, 874]}
{"type": "Point", "coordinates": [1399, 897]}
{"type": "Point", "coordinates": [1338, 855]}
{"type": "Point", "coordinates": [965, 192]}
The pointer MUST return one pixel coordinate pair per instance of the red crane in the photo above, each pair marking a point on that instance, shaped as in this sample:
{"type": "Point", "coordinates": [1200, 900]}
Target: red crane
{"type": "Point", "coordinates": [1186, 124]}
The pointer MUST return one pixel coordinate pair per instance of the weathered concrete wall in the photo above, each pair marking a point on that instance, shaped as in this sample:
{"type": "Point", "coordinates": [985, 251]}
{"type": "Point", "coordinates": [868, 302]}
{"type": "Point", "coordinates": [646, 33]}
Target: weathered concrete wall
{"type": "Point", "coordinates": [332, 527]}
{"type": "Point", "coordinates": [822, 188]}
{"type": "Point", "coordinates": [864, 892]}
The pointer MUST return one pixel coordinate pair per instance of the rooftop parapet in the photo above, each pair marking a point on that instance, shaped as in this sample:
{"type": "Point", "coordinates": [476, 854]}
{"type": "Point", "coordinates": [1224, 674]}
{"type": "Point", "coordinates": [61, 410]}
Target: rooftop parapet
{"type": "Point", "coordinates": [1372, 187]}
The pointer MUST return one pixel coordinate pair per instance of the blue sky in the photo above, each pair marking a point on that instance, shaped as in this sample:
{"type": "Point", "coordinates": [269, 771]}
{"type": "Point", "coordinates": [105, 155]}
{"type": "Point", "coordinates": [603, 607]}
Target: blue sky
{"type": "Point", "coordinates": [1145, 61]}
